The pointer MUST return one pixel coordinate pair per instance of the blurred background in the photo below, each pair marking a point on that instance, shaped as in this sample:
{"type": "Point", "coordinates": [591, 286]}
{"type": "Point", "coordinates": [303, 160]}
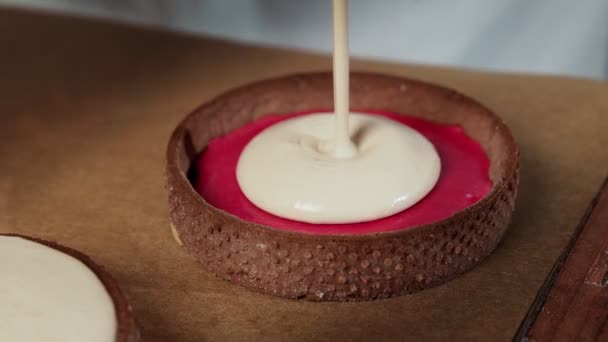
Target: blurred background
{"type": "Point", "coordinates": [567, 37]}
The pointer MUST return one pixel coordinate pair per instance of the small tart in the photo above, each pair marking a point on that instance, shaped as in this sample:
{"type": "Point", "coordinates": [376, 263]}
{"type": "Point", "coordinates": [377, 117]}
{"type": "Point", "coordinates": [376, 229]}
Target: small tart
{"type": "Point", "coordinates": [126, 326]}
{"type": "Point", "coordinates": [344, 267]}
{"type": "Point", "coordinates": [463, 179]}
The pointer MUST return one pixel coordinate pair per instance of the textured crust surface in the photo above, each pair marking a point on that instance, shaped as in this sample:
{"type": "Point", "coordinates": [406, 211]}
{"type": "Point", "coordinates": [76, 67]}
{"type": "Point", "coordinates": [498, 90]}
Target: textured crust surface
{"type": "Point", "coordinates": [340, 267]}
{"type": "Point", "coordinates": [127, 327]}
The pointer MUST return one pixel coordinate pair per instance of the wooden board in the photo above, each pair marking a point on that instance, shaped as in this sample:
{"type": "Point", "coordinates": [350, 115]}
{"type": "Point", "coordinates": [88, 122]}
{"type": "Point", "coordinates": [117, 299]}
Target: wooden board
{"type": "Point", "coordinates": [573, 303]}
{"type": "Point", "coordinates": [86, 111]}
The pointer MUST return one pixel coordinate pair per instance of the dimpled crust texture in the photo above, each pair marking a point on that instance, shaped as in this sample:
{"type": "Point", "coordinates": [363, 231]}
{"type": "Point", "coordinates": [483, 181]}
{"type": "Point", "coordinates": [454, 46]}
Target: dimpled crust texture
{"type": "Point", "coordinates": [127, 326]}
{"type": "Point", "coordinates": [340, 267]}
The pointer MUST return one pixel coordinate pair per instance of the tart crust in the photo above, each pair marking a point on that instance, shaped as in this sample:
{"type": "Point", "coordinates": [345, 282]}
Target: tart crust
{"type": "Point", "coordinates": [340, 267]}
{"type": "Point", "coordinates": [127, 330]}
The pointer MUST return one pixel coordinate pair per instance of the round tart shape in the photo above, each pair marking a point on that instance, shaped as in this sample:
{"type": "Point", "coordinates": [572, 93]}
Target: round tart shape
{"type": "Point", "coordinates": [126, 326]}
{"type": "Point", "coordinates": [463, 178]}
{"type": "Point", "coordinates": [342, 267]}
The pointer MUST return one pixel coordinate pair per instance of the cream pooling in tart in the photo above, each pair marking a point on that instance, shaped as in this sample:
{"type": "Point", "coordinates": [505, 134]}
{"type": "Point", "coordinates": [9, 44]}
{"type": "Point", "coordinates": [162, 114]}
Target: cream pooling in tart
{"type": "Point", "coordinates": [48, 295]}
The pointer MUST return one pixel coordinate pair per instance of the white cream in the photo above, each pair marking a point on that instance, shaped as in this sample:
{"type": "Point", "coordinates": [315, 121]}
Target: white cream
{"type": "Point", "coordinates": [290, 171]}
{"type": "Point", "coordinates": [46, 295]}
{"type": "Point", "coordinates": [343, 147]}
{"type": "Point", "coordinates": [337, 167]}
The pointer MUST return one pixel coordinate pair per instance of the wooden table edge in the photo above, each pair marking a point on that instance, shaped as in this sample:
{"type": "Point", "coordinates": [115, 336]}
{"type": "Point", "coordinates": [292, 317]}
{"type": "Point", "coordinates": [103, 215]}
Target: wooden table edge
{"type": "Point", "coordinates": [558, 292]}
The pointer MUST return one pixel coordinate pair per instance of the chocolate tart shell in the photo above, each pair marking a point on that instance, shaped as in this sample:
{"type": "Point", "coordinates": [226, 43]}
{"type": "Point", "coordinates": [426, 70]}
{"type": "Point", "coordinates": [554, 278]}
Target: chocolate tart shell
{"type": "Point", "coordinates": [127, 327]}
{"type": "Point", "coordinates": [339, 267]}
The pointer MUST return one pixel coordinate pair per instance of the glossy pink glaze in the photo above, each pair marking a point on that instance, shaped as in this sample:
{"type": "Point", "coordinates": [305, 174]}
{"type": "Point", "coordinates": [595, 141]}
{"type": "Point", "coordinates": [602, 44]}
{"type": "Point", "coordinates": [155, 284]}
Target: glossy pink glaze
{"type": "Point", "coordinates": [463, 181]}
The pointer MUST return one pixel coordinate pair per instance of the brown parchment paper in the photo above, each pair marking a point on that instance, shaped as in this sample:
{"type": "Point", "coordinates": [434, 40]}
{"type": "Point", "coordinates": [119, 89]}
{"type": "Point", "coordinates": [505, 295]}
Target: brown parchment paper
{"type": "Point", "coordinates": [86, 111]}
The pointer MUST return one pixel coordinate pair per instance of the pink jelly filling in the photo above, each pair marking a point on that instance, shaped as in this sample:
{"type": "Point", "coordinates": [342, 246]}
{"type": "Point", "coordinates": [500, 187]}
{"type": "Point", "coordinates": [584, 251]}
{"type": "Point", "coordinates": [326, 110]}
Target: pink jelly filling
{"type": "Point", "coordinates": [463, 181]}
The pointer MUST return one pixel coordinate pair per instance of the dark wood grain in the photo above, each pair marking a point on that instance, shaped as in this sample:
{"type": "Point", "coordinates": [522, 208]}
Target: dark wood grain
{"type": "Point", "coordinates": [573, 303]}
